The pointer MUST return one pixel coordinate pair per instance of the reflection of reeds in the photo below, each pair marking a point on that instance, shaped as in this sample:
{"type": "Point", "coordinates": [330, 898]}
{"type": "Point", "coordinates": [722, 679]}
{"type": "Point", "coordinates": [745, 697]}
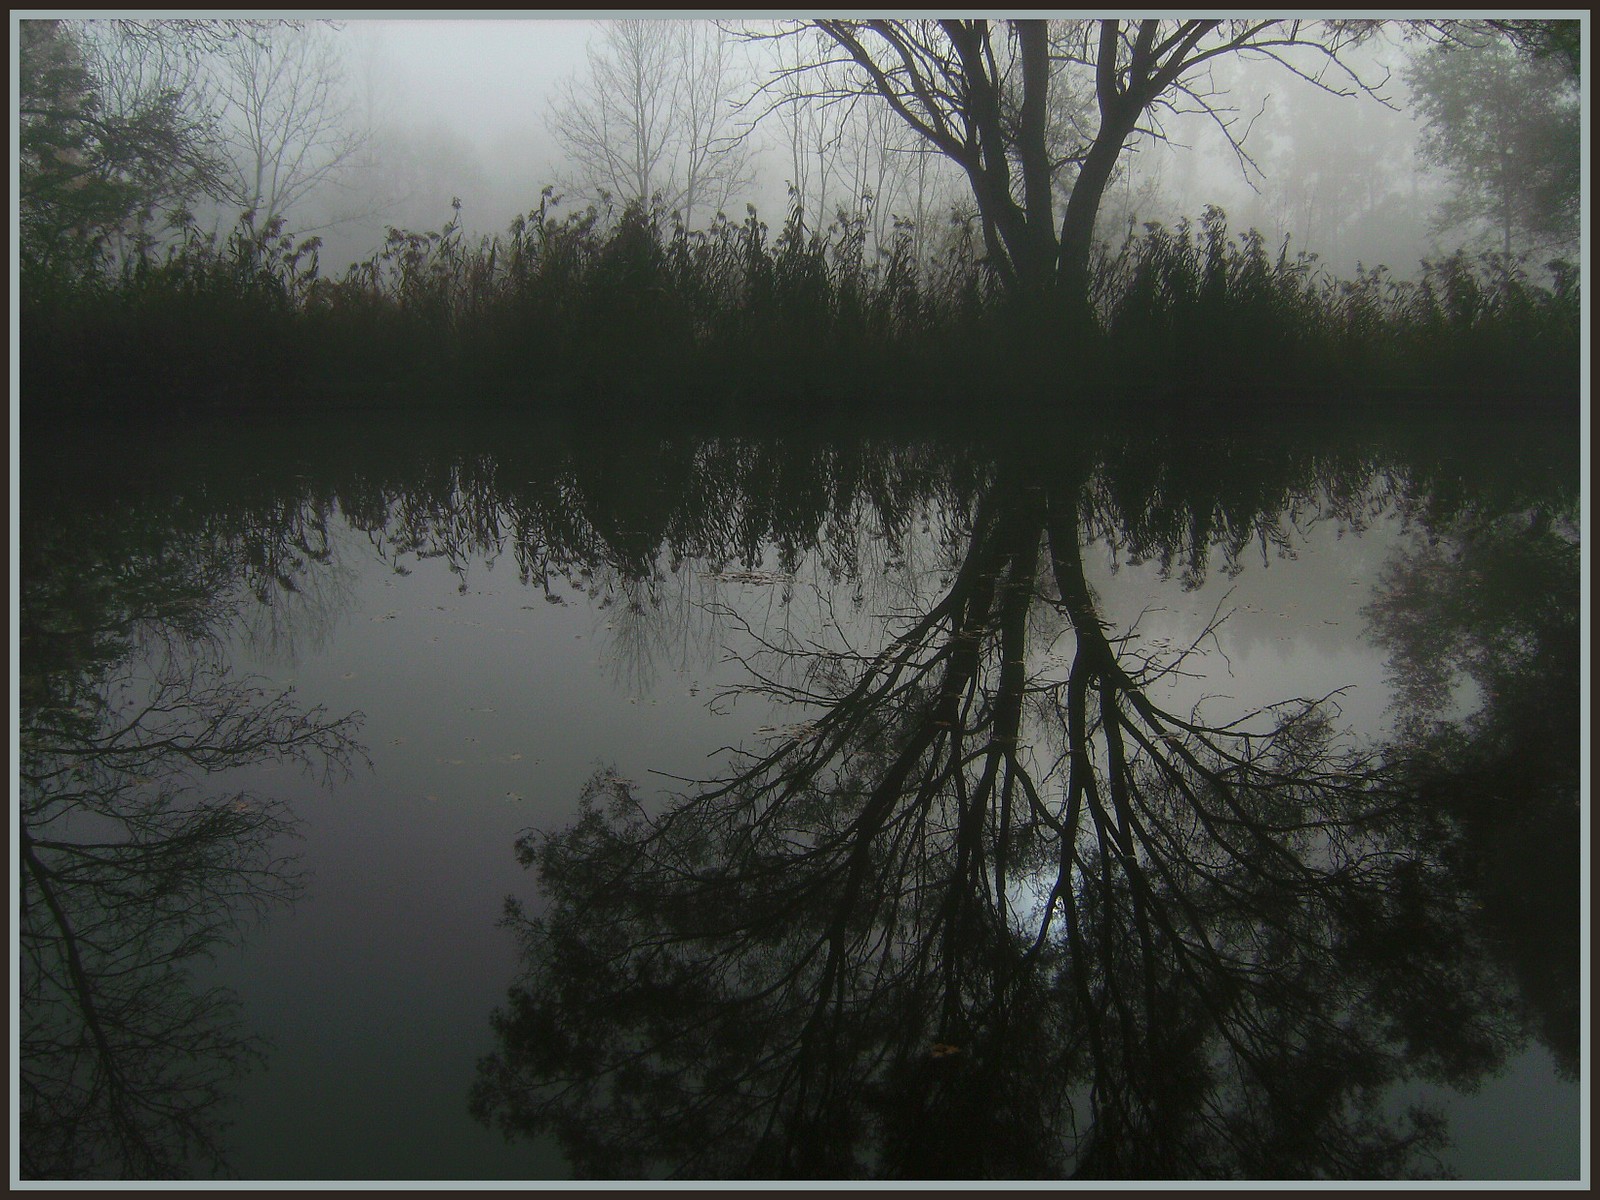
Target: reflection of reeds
{"type": "Point", "coordinates": [602, 303]}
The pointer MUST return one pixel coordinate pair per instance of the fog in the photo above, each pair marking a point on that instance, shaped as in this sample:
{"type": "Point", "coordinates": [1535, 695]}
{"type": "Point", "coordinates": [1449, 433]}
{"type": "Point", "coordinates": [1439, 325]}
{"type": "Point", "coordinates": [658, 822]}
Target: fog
{"type": "Point", "coordinates": [462, 109]}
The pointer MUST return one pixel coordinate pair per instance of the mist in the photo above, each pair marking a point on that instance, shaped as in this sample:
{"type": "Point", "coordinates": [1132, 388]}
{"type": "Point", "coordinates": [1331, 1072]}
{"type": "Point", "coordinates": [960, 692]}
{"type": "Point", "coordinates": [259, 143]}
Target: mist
{"type": "Point", "coordinates": [461, 109]}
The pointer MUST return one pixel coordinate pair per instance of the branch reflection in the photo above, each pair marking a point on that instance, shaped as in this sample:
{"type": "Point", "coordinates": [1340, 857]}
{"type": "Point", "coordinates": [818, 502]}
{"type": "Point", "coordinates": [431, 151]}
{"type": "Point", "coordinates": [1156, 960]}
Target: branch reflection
{"type": "Point", "coordinates": [132, 867]}
{"type": "Point", "coordinates": [977, 917]}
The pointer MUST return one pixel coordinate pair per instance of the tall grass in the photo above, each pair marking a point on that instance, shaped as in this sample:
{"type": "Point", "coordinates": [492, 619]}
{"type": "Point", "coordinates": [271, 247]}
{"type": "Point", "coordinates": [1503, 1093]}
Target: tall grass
{"type": "Point", "coordinates": [634, 305]}
{"type": "Point", "coordinates": [1193, 307]}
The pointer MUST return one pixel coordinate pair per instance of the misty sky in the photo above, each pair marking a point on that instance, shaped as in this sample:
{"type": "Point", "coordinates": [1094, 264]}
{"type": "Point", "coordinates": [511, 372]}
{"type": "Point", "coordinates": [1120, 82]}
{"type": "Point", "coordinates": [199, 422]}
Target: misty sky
{"type": "Point", "coordinates": [464, 103]}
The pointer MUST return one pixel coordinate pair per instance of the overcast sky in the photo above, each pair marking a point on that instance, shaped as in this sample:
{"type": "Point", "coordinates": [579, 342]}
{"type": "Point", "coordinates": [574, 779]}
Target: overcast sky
{"type": "Point", "coordinates": [470, 98]}
{"type": "Point", "coordinates": [473, 73]}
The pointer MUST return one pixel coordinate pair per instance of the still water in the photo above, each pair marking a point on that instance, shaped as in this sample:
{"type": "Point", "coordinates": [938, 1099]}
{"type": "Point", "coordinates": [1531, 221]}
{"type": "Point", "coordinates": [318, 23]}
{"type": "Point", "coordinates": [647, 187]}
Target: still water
{"type": "Point", "coordinates": [460, 802]}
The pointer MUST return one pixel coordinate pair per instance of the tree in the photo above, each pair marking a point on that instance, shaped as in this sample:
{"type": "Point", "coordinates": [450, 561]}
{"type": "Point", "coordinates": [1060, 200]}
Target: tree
{"type": "Point", "coordinates": [986, 95]}
{"type": "Point", "coordinates": [293, 122]}
{"type": "Point", "coordinates": [653, 119]}
{"type": "Point", "coordinates": [1505, 126]}
{"type": "Point", "coordinates": [109, 133]}
{"type": "Point", "coordinates": [1540, 39]}
{"type": "Point", "coordinates": [858, 159]}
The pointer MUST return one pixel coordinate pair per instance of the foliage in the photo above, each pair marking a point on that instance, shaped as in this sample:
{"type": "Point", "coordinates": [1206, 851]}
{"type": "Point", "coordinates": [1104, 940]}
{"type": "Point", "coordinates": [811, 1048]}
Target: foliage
{"type": "Point", "coordinates": [87, 168]}
{"type": "Point", "coordinates": [1506, 128]}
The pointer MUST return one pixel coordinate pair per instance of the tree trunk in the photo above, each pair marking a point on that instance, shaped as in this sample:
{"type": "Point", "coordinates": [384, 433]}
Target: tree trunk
{"type": "Point", "coordinates": [1077, 225]}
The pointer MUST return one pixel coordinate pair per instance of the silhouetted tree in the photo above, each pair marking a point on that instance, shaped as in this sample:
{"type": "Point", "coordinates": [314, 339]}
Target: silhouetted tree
{"type": "Point", "coordinates": [985, 94]}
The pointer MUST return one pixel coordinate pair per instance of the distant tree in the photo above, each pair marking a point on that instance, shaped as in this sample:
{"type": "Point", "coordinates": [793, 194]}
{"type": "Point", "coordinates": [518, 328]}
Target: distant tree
{"type": "Point", "coordinates": [109, 133]}
{"type": "Point", "coordinates": [654, 117]}
{"type": "Point", "coordinates": [1342, 179]}
{"type": "Point", "coordinates": [294, 124]}
{"type": "Point", "coordinates": [1505, 126]}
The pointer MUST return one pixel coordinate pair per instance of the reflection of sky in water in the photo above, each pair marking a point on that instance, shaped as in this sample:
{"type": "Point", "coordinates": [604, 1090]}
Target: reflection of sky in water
{"type": "Point", "coordinates": [487, 708]}
{"type": "Point", "coordinates": [1292, 628]}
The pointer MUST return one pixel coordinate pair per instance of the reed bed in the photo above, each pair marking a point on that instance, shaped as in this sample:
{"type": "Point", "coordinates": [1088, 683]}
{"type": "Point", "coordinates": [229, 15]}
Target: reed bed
{"type": "Point", "coordinates": [634, 308]}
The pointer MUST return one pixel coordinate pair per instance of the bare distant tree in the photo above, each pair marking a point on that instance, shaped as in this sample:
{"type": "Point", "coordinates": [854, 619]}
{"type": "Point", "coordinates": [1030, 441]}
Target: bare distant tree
{"type": "Point", "coordinates": [654, 117]}
{"type": "Point", "coordinates": [839, 152]}
{"type": "Point", "coordinates": [295, 123]}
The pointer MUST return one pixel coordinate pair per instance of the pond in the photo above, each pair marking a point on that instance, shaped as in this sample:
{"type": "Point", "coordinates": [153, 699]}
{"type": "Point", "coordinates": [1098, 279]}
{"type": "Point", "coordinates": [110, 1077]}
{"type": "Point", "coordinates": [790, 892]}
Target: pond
{"type": "Point", "coordinates": [493, 799]}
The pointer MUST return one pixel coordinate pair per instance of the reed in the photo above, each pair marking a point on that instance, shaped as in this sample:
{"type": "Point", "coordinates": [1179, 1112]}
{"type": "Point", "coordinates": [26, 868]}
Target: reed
{"type": "Point", "coordinates": [634, 307]}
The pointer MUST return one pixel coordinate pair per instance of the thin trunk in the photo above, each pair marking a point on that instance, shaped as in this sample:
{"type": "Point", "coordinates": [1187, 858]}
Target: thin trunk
{"type": "Point", "coordinates": [1077, 225]}
{"type": "Point", "coordinates": [1032, 37]}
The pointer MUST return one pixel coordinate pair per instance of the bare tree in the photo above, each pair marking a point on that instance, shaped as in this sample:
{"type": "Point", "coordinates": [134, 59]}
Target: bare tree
{"type": "Point", "coordinates": [845, 154]}
{"type": "Point", "coordinates": [294, 124]}
{"type": "Point", "coordinates": [654, 117]}
{"type": "Point", "coordinates": [989, 96]}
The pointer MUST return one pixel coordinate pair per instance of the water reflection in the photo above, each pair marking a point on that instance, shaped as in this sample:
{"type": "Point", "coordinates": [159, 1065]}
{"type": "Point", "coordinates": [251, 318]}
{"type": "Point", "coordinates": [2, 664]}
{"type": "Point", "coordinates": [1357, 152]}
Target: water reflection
{"type": "Point", "coordinates": [991, 902]}
{"type": "Point", "coordinates": [1486, 607]}
{"type": "Point", "coordinates": [131, 866]}
{"type": "Point", "coordinates": [976, 916]}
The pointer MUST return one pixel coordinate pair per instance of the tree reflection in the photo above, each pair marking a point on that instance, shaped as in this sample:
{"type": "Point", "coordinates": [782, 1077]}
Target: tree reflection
{"type": "Point", "coordinates": [990, 907]}
{"type": "Point", "coordinates": [130, 867]}
{"type": "Point", "coordinates": [977, 917]}
{"type": "Point", "coordinates": [1486, 601]}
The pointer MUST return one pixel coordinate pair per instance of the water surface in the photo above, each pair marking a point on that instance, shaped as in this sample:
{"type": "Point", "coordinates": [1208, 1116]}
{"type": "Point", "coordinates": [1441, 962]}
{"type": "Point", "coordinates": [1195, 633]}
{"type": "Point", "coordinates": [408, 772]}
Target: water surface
{"type": "Point", "coordinates": [1148, 803]}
